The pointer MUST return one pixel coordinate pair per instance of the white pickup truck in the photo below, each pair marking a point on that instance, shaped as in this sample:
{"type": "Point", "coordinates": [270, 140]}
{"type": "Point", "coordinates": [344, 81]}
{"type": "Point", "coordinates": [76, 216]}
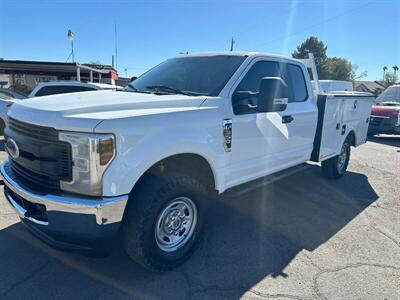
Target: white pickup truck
{"type": "Point", "coordinates": [83, 167]}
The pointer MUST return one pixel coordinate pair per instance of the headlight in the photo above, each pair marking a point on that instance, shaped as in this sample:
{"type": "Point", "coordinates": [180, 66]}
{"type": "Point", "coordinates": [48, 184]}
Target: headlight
{"type": "Point", "coordinates": [91, 155]}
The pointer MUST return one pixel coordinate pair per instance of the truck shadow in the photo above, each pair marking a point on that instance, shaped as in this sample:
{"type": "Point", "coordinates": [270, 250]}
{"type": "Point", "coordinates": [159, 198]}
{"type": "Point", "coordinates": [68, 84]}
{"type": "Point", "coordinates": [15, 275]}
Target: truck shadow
{"type": "Point", "coordinates": [390, 140]}
{"type": "Point", "coordinates": [247, 238]}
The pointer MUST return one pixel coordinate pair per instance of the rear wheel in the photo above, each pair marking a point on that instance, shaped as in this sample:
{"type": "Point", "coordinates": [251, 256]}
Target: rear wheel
{"type": "Point", "coordinates": [163, 221]}
{"type": "Point", "coordinates": [335, 167]}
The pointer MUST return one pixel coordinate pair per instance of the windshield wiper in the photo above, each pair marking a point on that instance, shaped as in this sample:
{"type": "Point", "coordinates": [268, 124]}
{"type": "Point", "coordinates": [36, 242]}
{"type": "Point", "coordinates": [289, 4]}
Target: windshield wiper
{"type": "Point", "coordinates": [167, 89]}
{"type": "Point", "coordinates": [133, 89]}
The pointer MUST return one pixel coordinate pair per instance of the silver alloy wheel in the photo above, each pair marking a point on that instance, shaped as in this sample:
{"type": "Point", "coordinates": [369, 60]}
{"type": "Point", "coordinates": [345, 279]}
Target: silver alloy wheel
{"type": "Point", "coordinates": [175, 224]}
{"type": "Point", "coordinates": [342, 158]}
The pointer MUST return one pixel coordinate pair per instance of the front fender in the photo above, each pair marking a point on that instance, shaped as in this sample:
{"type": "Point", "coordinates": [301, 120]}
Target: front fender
{"type": "Point", "coordinates": [137, 154]}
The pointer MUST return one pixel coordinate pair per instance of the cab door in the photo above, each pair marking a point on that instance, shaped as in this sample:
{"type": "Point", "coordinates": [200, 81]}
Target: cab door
{"type": "Point", "coordinates": [263, 143]}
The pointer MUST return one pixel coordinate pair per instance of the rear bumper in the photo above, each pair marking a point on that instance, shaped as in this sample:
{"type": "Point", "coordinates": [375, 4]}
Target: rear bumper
{"type": "Point", "coordinates": [66, 221]}
{"type": "Point", "coordinates": [382, 124]}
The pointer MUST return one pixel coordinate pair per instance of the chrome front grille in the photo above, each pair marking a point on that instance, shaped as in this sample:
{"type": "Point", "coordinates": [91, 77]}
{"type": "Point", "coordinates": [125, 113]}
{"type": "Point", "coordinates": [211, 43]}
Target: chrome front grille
{"type": "Point", "coordinates": [43, 160]}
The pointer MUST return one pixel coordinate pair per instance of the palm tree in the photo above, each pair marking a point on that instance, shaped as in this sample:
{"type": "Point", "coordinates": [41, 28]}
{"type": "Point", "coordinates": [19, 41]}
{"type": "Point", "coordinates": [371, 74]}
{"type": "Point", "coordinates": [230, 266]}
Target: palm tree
{"type": "Point", "coordinates": [384, 72]}
{"type": "Point", "coordinates": [395, 69]}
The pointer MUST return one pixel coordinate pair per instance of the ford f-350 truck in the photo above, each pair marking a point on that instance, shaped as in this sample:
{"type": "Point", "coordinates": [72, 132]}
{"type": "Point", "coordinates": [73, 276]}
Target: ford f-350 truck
{"type": "Point", "coordinates": [85, 167]}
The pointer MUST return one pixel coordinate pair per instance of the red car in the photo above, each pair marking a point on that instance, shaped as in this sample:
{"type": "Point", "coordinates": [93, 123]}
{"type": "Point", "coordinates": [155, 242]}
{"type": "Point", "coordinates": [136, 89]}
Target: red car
{"type": "Point", "coordinates": [385, 114]}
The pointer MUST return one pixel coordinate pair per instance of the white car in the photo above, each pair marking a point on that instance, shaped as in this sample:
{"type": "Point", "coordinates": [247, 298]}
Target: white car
{"type": "Point", "coordinates": [63, 87]}
{"type": "Point", "coordinates": [141, 162]}
{"type": "Point", "coordinates": [8, 97]}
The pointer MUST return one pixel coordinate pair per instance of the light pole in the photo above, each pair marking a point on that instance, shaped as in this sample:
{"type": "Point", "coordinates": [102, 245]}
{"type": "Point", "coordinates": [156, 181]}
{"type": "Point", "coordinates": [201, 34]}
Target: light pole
{"type": "Point", "coordinates": [70, 36]}
{"type": "Point", "coordinates": [232, 43]}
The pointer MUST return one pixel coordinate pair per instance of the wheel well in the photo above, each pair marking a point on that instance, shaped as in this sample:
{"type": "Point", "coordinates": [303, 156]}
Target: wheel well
{"type": "Point", "coordinates": [193, 165]}
{"type": "Point", "coordinates": [352, 138]}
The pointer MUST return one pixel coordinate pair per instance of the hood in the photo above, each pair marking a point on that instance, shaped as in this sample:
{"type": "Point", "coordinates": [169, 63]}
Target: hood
{"type": "Point", "coordinates": [83, 111]}
{"type": "Point", "coordinates": [382, 110]}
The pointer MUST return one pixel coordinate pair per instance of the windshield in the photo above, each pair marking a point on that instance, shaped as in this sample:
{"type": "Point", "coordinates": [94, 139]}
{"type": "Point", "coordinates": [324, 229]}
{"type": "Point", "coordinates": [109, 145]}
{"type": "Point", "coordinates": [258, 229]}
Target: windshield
{"type": "Point", "coordinates": [205, 75]}
{"type": "Point", "coordinates": [390, 96]}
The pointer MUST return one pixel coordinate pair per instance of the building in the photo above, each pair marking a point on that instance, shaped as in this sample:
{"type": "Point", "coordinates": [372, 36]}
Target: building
{"type": "Point", "coordinates": [24, 75]}
{"type": "Point", "coordinates": [374, 87]}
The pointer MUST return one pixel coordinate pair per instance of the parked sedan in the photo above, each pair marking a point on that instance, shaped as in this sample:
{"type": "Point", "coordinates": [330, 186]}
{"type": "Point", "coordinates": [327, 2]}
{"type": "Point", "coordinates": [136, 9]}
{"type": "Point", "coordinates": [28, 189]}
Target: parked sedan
{"type": "Point", "coordinates": [385, 114]}
{"type": "Point", "coordinates": [8, 94]}
{"type": "Point", "coordinates": [63, 87]}
{"type": "Point", "coordinates": [8, 97]}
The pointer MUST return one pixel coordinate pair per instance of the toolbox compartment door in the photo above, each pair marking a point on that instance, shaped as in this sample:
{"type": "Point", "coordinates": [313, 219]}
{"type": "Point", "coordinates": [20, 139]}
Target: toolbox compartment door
{"type": "Point", "coordinates": [338, 113]}
{"type": "Point", "coordinates": [328, 134]}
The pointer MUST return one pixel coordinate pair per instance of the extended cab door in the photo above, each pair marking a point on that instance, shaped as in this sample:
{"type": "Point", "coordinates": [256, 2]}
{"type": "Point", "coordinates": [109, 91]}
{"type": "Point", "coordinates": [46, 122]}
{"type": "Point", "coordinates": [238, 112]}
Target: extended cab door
{"type": "Point", "coordinates": [263, 143]}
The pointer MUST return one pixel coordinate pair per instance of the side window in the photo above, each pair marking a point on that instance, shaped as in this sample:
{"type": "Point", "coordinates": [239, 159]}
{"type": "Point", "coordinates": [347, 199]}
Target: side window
{"type": "Point", "coordinates": [75, 89]}
{"type": "Point", "coordinates": [251, 83]}
{"type": "Point", "coordinates": [62, 89]}
{"type": "Point", "coordinates": [292, 74]}
{"type": "Point", "coordinates": [294, 78]}
{"type": "Point", "coordinates": [44, 91]}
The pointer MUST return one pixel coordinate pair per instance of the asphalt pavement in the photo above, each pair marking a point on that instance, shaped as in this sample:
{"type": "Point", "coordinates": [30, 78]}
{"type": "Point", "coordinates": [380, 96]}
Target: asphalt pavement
{"type": "Point", "coordinates": [299, 237]}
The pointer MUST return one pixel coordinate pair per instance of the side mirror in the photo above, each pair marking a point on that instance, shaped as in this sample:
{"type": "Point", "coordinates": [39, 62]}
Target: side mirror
{"type": "Point", "coordinates": [245, 102]}
{"type": "Point", "coordinates": [273, 95]}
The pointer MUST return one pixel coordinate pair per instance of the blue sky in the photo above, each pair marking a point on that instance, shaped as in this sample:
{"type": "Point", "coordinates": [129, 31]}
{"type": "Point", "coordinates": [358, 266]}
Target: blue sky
{"type": "Point", "coordinates": [365, 32]}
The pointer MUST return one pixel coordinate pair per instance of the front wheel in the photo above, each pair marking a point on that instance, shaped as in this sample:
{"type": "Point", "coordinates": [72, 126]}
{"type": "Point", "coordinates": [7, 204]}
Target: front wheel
{"type": "Point", "coordinates": [163, 221]}
{"type": "Point", "coordinates": [335, 167]}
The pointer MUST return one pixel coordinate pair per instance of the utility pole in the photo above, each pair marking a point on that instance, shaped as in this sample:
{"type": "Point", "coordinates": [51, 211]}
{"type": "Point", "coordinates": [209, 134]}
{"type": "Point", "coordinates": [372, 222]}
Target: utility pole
{"type": "Point", "coordinates": [70, 36]}
{"type": "Point", "coordinates": [232, 43]}
{"type": "Point", "coordinates": [116, 47]}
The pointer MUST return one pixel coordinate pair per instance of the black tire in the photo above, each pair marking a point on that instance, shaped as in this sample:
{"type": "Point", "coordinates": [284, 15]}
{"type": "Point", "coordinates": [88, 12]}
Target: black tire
{"type": "Point", "coordinates": [149, 199]}
{"type": "Point", "coordinates": [332, 168]}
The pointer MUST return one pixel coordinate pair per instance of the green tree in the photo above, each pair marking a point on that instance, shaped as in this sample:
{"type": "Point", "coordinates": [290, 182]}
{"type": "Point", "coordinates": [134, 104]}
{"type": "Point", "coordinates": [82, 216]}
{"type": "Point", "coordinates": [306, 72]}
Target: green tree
{"type": "Point", "coordinates": [333, 68]}
{"type": "Point", "coordinates": [384, 72]}
{"type": "Point", "coordinates": [339, 69]}
{"type": "Point", "coordinates": [355, 76]}
{"type": "Point", "coordinates": [390, 78]}
{"type": "Point", "coordinates": [395, 69]}
{"type": "Point", "coordinates": [315, 46]}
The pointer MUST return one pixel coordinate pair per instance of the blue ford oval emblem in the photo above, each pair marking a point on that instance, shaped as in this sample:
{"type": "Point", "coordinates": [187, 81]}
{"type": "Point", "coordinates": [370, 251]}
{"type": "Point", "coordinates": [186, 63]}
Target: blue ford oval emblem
{"type": "Point", "coordinates": [12, 148]}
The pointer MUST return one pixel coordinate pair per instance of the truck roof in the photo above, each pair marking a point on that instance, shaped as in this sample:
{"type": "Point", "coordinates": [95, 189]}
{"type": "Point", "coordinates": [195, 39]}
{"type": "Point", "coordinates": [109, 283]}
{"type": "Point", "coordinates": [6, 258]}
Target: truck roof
{"type": "Point", "coordinates": [240, 53]}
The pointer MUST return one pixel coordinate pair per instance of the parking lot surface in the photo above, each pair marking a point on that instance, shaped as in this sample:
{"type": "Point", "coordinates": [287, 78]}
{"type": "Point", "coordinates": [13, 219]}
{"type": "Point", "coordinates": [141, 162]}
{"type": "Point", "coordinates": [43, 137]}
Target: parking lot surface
{"type": "Point", "coordinates": [301, 237]}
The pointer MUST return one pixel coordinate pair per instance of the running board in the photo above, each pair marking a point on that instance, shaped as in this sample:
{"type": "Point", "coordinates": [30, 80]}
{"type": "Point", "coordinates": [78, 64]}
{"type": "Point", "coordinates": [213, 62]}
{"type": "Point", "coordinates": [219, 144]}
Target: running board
{"type": "Point", "coordinates": [264, 181]}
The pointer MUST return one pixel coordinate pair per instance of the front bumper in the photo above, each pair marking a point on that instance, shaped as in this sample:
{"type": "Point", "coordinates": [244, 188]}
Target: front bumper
{"type": "Point", "coordinates": [383, 124]}
{"type": "Point", "coordinates": [66, 221]}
